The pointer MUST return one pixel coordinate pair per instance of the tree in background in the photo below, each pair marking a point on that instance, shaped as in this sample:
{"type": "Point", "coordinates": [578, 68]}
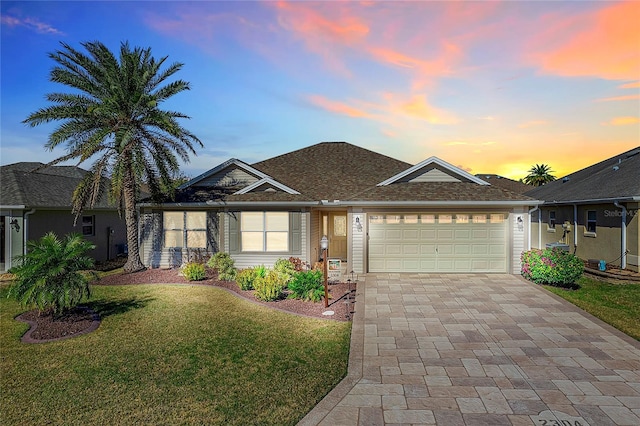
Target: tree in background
{"type": "Point", "coordinates": [113, 116]}
{"type": "Point", "coordinates": [539, 175]}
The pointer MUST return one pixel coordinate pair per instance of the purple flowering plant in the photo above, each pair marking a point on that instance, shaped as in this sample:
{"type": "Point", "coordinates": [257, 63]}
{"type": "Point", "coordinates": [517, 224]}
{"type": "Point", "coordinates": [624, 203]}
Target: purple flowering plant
{"type": "Point", "coordinates": [551, 266]}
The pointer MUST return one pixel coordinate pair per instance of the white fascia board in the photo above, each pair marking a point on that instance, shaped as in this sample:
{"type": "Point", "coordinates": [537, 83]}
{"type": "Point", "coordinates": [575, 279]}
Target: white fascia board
{"type": "Point", "coordinates": [222, 166]}
{"type": "Point", "coordinates": [401, 204]}
{"type": "Point", "coordinates": [269, 181]}
{"type": "Point", "coordinates": [16, 207]}
{"type": "Point", "coordinates": [441, 163]}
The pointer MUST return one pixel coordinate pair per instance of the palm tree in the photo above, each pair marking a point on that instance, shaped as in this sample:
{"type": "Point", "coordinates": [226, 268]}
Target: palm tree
{"type": "Point", "coordinates": [113, 116]}
{"type": "Point", "coordinates": [539, 175]}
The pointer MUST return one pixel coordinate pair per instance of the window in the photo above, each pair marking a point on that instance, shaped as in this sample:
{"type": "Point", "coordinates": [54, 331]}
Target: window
{"type": "Point", "coordinates": [462, 218]}
{"type": "Point", "coordinates": [445, 218]}
{"type": "Point", "coordinates": [88, 225]}
{"type": "Point", "coordinates": [264, 231]}
{"type": "Point", "coordinates": [479, 218]}
{"type": "Point", "coordinates": [185, 229]}
{"type": "Point", "coordinates": [591, 221]}
{"type": "Point", "coordinates": [411, 218]}
{"type": "Point", "coordinates": [552, 219]}
{"type": "Point", "coordinates": [393, 219]}
{"type": "Point", "coordinates": [496, 218]}
{"type": "Point", "coordinates": [428, 218]}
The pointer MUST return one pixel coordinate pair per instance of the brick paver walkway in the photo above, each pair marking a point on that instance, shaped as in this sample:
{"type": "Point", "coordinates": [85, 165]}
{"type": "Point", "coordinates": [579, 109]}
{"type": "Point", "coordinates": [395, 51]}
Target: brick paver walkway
{"type": "Point", "coordinates": [480, 350]}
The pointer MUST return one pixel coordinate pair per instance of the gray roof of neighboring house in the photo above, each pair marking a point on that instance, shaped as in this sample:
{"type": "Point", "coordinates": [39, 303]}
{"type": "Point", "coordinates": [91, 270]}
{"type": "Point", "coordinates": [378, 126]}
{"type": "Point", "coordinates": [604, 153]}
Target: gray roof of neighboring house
{"type": "Point", "coordinates": [342, 171]}
{"type": "Point", "coordinates": [617, 177]}
{"type": "Point", "coordinates": [506, 183]}
{"type": "Point", "coordinates": [48, 187]}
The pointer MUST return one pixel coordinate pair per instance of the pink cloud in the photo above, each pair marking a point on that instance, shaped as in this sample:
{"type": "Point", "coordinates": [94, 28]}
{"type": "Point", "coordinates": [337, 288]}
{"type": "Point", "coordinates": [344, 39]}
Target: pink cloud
{"type": "Point", "coordinates": [602, 43]}
{"type": "Point", "coordinates": [31, 24]}
{"type": "Point", "coordinates": [622, 121]}
{"type": "Point", "coordinates": [338, 107]}
{"type": "Point", "coordinates": [634, 85]}
{"type": "Point", "coordinates": [618, 98]}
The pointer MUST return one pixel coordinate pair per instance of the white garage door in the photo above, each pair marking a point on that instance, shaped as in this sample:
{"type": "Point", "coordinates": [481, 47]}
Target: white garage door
{"type": "Point", "coordinates": [438, 242]}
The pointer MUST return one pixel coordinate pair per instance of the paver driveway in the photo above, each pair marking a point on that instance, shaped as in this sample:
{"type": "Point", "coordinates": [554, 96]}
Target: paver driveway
{"type": "Point", "coordinates": [480, 350]}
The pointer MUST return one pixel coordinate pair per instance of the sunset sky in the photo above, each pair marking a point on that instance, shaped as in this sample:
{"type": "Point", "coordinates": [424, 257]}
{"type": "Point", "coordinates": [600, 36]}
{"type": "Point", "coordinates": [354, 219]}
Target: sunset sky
{"type": "Point", "coordinates": [490, 87]}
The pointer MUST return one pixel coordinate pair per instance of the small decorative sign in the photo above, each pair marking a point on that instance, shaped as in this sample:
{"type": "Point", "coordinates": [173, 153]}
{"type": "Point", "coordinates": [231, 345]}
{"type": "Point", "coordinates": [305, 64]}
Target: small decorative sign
{"type": "Point", "coordinates": [335, 269]}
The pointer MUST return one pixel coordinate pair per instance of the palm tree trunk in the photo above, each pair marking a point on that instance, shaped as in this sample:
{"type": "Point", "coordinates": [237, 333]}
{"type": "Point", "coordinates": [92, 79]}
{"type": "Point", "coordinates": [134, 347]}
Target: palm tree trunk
{"type": "Point", "coordinates": [134, 264]}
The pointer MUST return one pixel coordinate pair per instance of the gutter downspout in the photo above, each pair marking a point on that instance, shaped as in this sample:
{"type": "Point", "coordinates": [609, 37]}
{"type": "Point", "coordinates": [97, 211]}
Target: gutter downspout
{"type": "Point", "coordinates": [575, 228]}
{"type": "Point", "coordinates": [623, 236]}
{"type": "Point", "coordinates": [529, 233]}
{"type": "Point", "coordinates": [26, 229]}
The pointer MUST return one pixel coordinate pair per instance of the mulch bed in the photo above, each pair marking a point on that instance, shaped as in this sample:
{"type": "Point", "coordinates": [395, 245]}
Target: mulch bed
{"type": "Point", "coordinates": [46, 328]}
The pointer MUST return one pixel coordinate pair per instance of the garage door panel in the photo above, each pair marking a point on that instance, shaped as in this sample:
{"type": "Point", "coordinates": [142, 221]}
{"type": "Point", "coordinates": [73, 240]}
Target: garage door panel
{"type": "Point", "coordinates": [410, 234]}
{"type": "Point", "coordinates": [410, 249]}
{"type": "Point", "coordinates": [414, 246]}
{"type": "Point", "coordinates": [428, 234]}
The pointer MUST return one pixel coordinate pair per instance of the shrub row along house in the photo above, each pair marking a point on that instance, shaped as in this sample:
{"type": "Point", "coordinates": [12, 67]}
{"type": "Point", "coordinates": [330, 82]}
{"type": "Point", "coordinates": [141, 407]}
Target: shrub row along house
{"type": "Point", "coordinates": [37, 200]}
{"type": "Point", "coordinates": [378, 213]}
{"type": "Point", "coordinates": [593, 211]}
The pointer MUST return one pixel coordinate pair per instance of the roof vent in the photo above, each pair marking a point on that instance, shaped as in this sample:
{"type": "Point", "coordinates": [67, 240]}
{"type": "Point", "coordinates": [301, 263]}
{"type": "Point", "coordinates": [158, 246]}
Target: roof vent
{"type": "Point", "coordinates": [616, 168]}
{"type": "Point", "coordinates": [565, 179]}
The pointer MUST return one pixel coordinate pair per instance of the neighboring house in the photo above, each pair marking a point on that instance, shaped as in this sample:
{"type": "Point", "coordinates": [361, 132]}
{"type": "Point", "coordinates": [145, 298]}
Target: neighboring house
{"type": "Point", "coordinates": [379, 214]}
{"type": "Point", "coordinates": [34, 203]}
{"type": "Point", "coordinates": [594, 211]}
{"type": "Point", "coordinates": [506, 183]}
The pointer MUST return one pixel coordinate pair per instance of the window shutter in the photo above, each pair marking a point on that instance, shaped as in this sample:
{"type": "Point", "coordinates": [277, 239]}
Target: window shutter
{"type": "Point", "coordinates": [234, 235]}
{"type": "Point", "coordinates": [295, 232]}
{"type": "Point", "coordinates": [213, 233]}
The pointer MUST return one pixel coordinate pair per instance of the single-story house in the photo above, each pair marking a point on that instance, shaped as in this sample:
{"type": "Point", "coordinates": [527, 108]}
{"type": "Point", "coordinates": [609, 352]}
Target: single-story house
{"type": "Point", "coordinates": [378, 213]}
{"type": "Point", "coordinates": [593, 211]}
{"type": "Point", "coordinates": [33, 203]}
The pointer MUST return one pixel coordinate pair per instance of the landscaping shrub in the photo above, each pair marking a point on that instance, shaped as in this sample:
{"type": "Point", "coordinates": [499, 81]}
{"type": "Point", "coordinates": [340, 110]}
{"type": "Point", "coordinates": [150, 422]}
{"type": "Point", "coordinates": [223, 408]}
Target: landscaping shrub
{"type": "Point", "coordinates": [285, 268]}
{"type": "Point", "coordinates": [551, 266]}
{"type": "Point", "coordinates": [298, 264]}
{"type": "Point", "coordinates": [245, 278]}
{"type": "Point", "coordinates": [269, 287]}
{"type": "Point", "coordinates": [193, 271]}
{"type": "Point", "coordinates": [307, 285]}
{"type": "Point", "coordinates": [224, 264]}
{"type": "Point", "coordinates": [51, 276]}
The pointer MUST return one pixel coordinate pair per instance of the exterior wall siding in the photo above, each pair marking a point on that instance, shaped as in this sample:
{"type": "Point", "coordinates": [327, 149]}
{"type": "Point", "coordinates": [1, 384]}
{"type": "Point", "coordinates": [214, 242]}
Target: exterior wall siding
{"type": "Point", "coordinates": [229, 178]}
{"type": "Point", "coordinates": [605, 244]}
{"type": "Point", "coordinates": [358, 234]}
{"type": "Point", "coordinates": [517, 237]}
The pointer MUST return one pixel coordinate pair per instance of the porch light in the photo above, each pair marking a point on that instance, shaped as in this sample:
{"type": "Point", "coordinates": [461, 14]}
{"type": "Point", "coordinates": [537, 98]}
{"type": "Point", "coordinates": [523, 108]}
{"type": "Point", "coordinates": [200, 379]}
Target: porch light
{"type": "Point", "coordinates": [324, 243]}
{"type": "Point", "coordinates": [15, 225]}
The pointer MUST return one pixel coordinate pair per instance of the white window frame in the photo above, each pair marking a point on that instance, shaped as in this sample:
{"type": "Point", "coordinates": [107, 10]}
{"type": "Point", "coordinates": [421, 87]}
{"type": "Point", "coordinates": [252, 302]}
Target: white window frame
{"type": "Point", "coordinates": [185, 230]}
{"type": "Point", "coordinates": [266, 241]}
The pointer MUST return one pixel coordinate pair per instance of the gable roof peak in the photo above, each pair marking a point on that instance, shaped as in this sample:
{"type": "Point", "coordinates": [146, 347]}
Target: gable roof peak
{"type": "Point", "coordinates": [433, 160]}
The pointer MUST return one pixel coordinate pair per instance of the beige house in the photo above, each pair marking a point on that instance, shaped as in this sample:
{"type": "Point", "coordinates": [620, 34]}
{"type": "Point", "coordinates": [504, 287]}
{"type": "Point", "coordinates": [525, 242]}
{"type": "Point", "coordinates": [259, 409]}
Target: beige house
{"type": "Point", "coordinates": [378, 213]}
{"type": "Point", "coordinates": [593, 211]}
{"type": "Point", "coordinates": [33, 203]}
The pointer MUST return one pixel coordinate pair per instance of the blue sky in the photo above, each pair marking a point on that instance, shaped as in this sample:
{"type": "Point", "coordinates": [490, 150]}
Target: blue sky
{"type": "Point", "coordinates": [491, 87]}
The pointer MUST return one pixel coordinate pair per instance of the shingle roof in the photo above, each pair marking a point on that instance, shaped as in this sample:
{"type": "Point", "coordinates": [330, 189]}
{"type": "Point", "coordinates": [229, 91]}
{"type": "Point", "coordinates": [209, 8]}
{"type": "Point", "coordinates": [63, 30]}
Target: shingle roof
{"type": "Point", "coordinates": [615, 177]}
{"type": "Point", "coordinates": [341, 171]}
{"type": "Point", "coordinates": [331, 170]}
{"type": "Point", "coordinates": [437, 191]}
{"type": "Point", "coordinates": [47, 187]}
{"type": "Point", "coordinates": [506, 183]}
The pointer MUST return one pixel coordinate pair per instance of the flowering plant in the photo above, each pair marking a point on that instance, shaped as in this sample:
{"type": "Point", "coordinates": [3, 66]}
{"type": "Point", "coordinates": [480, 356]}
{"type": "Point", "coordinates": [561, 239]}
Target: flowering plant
{"type": "Point", "coordinates": [551, 266]}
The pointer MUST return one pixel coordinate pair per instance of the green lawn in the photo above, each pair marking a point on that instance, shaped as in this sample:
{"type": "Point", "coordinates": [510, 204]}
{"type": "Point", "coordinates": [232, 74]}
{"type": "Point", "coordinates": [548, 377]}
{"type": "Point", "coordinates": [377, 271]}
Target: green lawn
{"type": "Point", "coordinates": [616, 304]}
{"type": "Point", "coordinates": [172, 355]}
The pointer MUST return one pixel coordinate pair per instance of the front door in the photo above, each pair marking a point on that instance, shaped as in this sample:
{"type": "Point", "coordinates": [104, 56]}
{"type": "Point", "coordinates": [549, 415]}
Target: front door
{"type": "Point", "coordinates": [338, 235]}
